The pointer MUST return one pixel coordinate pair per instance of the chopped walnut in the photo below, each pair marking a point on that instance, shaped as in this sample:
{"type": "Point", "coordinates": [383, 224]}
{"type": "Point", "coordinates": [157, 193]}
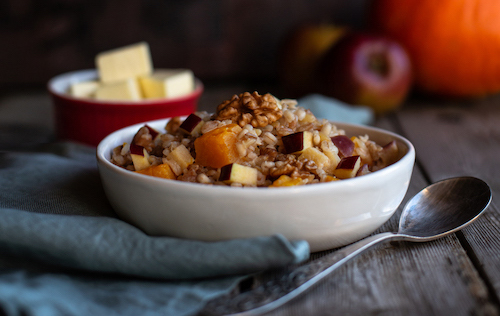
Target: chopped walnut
{"type": "Point", "coordinates": [250, 108]}
{"type": "Point", "coordinates": [296, 168]}
{"type": "Point", "coordinates": [285, 169]}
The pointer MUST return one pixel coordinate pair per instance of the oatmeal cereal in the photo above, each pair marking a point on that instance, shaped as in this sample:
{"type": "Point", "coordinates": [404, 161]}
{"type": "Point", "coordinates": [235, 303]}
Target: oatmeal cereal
{"type": "Point", "coordinates": [253, 140]}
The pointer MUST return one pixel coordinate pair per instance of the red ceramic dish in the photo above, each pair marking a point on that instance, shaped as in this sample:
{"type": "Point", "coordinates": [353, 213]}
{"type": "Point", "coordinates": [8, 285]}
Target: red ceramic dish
{"type": "Point", "coordinates": [88, 121]}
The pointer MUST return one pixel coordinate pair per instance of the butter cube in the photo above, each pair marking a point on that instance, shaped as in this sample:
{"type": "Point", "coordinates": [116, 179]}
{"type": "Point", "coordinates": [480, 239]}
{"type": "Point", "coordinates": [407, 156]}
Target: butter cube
{"type": "Point", "coordinates": [126, 62]}
{"type": "Point", "coordinates": [127, 90]}
{"type": "Point", "coordinates": [85, 89]}
{"type": "Point", "coordinates": [167, 83]}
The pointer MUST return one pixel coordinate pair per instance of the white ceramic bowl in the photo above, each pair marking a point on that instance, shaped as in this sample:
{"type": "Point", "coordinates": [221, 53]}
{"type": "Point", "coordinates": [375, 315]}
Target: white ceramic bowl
{"type": "Point", "coordinates": [327, 215]}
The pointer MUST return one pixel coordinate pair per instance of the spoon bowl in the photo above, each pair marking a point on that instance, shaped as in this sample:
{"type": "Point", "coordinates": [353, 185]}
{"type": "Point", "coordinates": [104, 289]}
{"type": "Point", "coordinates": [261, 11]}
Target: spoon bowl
{"type": "Point", "coordinates": [438, 210]}
{"type": "Point", "coordinates": [444, 207]}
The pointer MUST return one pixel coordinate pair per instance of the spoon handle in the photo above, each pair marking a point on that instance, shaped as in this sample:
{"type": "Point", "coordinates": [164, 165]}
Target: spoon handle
{"type": "Point", "coordinates": [344, 254]}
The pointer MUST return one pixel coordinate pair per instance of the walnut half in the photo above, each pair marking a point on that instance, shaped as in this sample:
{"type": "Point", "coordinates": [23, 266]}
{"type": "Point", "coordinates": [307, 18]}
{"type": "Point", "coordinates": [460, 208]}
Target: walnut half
{"type": "Point", "coordinates": [250, 108]}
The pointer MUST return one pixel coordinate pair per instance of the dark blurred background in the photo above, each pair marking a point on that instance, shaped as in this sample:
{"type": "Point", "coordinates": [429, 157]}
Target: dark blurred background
{"type": "Point", "coordinates": [220, 40]}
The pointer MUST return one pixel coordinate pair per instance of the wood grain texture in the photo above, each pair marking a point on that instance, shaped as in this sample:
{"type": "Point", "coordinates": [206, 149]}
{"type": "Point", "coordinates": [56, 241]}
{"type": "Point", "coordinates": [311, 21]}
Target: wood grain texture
{"type": "Point", "coordinates": [463, 139]}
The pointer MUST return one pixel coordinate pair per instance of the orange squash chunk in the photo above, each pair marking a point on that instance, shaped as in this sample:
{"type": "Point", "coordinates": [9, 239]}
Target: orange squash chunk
{"type": "Point", "coordinates": [286, 181]}
{"type": "Point", "coordinates": [161, 171]}
{"type": "Point", "coordinates": [217, 148]}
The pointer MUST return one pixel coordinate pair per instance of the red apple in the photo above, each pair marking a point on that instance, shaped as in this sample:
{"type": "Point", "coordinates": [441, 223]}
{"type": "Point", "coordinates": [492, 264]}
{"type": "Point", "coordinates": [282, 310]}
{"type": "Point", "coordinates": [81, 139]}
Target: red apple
{"type": "Point", "coordinates": [367, 69]}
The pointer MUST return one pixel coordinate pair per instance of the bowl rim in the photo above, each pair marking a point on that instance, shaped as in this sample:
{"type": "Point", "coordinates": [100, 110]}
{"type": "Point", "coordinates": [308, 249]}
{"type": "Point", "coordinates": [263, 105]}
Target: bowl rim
{"type": "Point", "coordinates": [92, 73]}
{"type": "Point", "coordinates": [105, 144]}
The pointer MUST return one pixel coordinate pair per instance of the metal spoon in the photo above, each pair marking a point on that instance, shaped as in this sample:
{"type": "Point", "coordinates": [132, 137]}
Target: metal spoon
{"type": "Point", "coordinates": [438, 210]}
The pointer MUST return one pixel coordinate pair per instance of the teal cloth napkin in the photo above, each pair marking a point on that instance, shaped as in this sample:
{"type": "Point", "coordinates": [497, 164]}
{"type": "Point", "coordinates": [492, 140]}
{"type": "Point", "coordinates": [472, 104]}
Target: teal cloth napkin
{"type": "Point", "coordinates": [335, 110]}
{"type": "Point", "coordinates": [63, 251]}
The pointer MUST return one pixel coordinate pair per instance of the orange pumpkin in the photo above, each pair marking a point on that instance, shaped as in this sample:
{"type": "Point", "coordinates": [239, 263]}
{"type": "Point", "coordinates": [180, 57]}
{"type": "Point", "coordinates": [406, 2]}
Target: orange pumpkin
{"type": "Point", "coordinates": [454, 45]}
{"type": "Point", "coordinates": [217, 147]}
{"type": "Point", "coordinates": [161, 171]}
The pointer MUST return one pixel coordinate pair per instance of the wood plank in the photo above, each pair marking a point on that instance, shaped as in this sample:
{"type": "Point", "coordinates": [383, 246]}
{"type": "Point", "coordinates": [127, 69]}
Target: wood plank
{"type": "Point", "coordinates": [402, 278]}
{"type": "Point", "coordinates": [454, 139]}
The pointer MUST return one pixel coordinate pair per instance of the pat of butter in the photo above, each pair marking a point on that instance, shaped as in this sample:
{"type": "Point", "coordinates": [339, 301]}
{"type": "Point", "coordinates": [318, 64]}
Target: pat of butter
{"type": "Point", "coordinates": [85, 89]}
{"type": "Point", "coordinates": [167, 83]}
{"type": "Point", "coordinates": [127, 90]}
{"type": "Point", "coordinates": [126, 62]}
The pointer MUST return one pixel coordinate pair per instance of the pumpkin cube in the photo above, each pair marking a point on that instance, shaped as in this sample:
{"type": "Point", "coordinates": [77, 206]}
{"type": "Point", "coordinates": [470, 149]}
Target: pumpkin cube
{"type": "Point", "coordinates": [286, 181]}
{"type": "Point", "coordinates": [217, 148]}
{"type": "Point", "coordinates": [161, 171]}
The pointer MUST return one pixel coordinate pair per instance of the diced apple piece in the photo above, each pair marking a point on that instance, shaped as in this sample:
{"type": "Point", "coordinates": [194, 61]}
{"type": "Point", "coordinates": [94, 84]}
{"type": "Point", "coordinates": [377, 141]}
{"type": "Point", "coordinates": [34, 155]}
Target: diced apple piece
{"type": "Point", "coordinates": [348, 167]}
{"type": "Point", "coordinates": [140, 157]}
{"type": "Point", "coordinates": [320, 159]}
{"type": "Point", "coordinates": [331, 151]}
{"type": "Point", "coordinates": [182, 156]}
{"type": "Point", "coordinates": [389, 153]}
{"type": "Point", "coordinates": [217, 148]}
{"type": "Point", "coordinates": [361, 149]}
{"type": "Point", "coordinates": [334, 160]}
{"type": "Point", "coordinates": [365, 169]}
{"type": "Point", "coordinates": [160, 171]}
{"type": "Point", "coordinates": [192, 125]}
{"type": "Point", "coordinates": [286, 181]}
{"type": "Point", "coordinates": [344, 144]}
{"type": "Point", "coordinates": [238, 173]}
{"type": "Point", "coordinates": [297, 142]}
{"type": "Point", "coordinates": [154, 133]}
{"type": "Point", "coordinates": [145, 137]}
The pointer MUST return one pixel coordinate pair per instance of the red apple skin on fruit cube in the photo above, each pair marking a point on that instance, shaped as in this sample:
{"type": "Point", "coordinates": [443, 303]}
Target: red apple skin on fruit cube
{"type": "Point", "coordinates": [348, 167]}
{"type": "Point", "coordinates": [154, 133]}
{"type": "Point", "coordinates": [140, 157]}
{"type": "Point", "coordinates": [389, 153]}
{"type": "Point", "coordinates": [238, 173]}
{"type": "Point", "coordinates": [136, 150]}
{"type": "Point", "coordinates": [297, 142]}
{"type": "Point", "coordinates": [191, 124]}
{"type": "Point", "coordinates": [344, 144]}
{"type": "Point", "coordinates": [365, 169]}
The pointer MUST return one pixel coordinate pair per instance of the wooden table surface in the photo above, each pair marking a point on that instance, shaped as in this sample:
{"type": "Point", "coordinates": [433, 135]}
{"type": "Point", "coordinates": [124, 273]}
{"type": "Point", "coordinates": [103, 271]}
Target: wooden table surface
{"type": "Point", "coordinates": [455, 275]}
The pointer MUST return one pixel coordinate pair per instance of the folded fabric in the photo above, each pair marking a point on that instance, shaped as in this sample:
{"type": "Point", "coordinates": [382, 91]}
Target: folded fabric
{"type": "Point", "coordinates": [53, 209]}
{"type": "Point", "coordinates": [335, 110]}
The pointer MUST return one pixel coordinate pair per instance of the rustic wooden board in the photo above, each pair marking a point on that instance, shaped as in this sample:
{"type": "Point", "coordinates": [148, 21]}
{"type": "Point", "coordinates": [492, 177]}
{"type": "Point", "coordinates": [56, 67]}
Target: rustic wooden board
{"type": "Point", "coordinates": [456, 139]}
{"type": "Point", "coordinates": [436, 278]}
